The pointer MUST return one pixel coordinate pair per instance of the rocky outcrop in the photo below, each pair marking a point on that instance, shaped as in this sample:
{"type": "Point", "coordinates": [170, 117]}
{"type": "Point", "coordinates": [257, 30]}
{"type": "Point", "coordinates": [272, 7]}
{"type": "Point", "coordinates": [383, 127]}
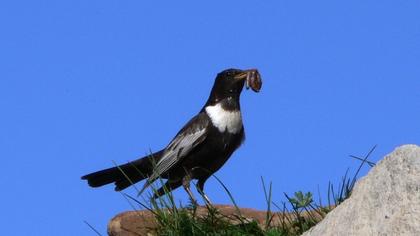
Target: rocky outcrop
{"type": "Point", "coordinates": [134, 223]}
{"type": "Point", "coordinates": [385, 202]}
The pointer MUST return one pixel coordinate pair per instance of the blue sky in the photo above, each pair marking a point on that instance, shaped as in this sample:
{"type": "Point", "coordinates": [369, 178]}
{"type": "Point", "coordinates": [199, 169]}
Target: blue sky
{"type": "Point", "coordinates": [85, 83]}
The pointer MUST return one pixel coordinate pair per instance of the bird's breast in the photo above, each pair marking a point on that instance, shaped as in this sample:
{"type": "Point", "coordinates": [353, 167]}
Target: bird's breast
{"type": "Point", "coordinates": [225, 120]}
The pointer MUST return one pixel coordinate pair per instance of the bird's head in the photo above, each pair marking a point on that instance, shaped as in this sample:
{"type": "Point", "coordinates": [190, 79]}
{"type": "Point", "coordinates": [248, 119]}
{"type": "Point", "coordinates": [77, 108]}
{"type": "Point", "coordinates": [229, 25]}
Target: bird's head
{"type": "Point", "coordinates": [229, 84]}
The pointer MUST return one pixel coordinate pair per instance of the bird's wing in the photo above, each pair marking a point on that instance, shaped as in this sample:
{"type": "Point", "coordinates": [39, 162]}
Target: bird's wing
{"type": "Point", "coordinates": [192, 134]}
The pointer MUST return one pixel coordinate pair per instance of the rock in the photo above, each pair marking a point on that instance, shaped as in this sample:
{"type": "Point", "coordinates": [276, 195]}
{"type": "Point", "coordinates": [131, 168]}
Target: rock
{"type": "Point", "coordinates": [385, 202]}
{"type": "Point", "coordinates": [134, 223]}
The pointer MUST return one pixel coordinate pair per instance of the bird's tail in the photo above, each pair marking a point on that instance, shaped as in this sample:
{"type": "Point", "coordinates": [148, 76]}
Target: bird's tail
{"type": "Point", "coordinates": [124, 175]}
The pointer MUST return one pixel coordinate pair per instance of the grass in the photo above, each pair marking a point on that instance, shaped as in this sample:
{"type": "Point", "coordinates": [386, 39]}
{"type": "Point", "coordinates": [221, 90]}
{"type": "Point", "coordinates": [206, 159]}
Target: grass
{"type": "Point", "coordinates": [298, 213]}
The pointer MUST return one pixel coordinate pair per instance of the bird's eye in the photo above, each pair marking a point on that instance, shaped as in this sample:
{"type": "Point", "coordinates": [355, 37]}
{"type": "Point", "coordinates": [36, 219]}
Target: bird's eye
{"type": "Point", "coordinates": [230, 90]}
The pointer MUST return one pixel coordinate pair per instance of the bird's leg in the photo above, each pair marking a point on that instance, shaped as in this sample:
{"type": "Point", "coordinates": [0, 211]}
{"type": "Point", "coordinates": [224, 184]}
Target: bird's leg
{"type": "Point", "coordinates": [200, 188]}
{"type": "Point", "coordinates": [186, 184]}
{"type": "Point", "coordinates": [207, 200]}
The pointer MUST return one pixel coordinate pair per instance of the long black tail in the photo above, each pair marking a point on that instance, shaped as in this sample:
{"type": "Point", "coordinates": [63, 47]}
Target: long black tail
{"type": "Point", "coordinates": [124, 175]}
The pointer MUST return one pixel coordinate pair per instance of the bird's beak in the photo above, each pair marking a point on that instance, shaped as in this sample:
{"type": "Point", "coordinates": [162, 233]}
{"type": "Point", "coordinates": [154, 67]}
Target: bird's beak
{"type": "Point", "coordinates": [252, 79]}
{"type": "Point", "coordinates": [243, 75]}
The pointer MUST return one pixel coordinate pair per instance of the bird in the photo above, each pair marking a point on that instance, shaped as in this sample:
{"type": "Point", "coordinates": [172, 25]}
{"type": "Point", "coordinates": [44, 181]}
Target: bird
{"type": "Point", "coordinates": [198, 150]}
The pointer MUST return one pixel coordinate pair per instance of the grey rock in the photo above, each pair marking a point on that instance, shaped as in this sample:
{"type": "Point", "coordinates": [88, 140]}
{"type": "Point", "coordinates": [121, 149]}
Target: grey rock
{"type": "Point", "coordinates": [385, 202]}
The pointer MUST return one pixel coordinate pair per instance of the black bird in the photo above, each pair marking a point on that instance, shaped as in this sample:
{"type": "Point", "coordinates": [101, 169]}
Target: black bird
{"type": "Point", "coordinates": [199, 149]}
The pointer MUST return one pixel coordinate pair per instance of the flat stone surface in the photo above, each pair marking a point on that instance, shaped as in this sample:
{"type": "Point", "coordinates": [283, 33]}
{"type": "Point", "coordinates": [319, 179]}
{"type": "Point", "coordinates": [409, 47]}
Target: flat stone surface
{"type": "Point", "coordinates": [133, 223]}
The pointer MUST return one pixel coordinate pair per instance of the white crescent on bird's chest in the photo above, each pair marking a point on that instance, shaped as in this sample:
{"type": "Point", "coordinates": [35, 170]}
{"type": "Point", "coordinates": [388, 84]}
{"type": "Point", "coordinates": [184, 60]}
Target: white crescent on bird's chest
{"type": "Point", "coordinates": [224, 119]}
